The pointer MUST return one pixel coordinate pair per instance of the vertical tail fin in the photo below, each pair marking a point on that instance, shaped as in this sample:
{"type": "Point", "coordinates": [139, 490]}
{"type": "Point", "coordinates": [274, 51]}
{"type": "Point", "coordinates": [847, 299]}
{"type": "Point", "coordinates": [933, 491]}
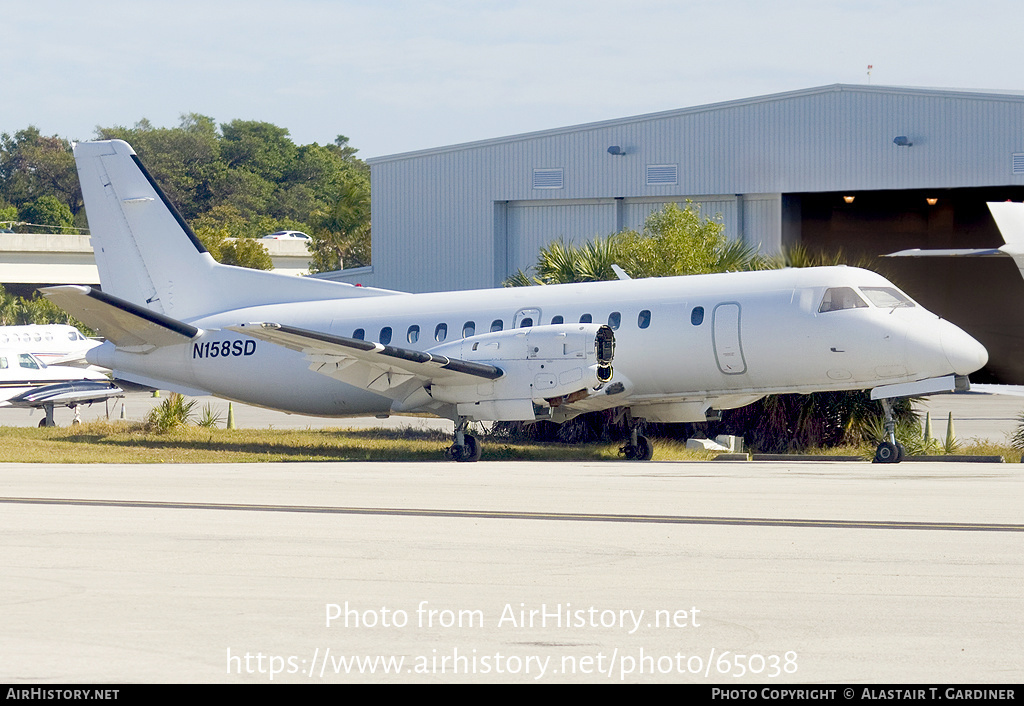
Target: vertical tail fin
{"type": "Point", "coordinates": [1009, 216]}
{"type": "Point", "coordinates": [147, 254]}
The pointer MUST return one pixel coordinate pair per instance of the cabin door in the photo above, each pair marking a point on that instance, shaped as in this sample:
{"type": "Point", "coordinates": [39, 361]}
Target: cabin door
{"type": "Point", "coordinates": [726, 339]}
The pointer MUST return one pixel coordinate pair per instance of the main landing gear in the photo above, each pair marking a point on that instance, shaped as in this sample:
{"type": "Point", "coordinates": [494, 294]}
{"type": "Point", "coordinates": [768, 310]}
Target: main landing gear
{"type": "Point", "coordinates": [890, 450]}
{"type": "Point", "coordinates": [639, 447]}
{"type": "Point", "coordinates": [466, 448]}
{"type": "Point", "coordinates": [48, 421]}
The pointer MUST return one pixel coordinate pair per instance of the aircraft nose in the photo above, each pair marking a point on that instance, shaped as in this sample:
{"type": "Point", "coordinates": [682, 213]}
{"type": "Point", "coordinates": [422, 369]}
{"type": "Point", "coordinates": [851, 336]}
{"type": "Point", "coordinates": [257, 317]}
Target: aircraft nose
{"type": "Point", "coordinates": [964, 354]}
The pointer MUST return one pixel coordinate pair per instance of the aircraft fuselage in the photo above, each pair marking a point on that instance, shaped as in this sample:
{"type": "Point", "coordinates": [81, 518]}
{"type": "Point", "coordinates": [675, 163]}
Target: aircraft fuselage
{"type": "Point", "coordinates": [683, 344]}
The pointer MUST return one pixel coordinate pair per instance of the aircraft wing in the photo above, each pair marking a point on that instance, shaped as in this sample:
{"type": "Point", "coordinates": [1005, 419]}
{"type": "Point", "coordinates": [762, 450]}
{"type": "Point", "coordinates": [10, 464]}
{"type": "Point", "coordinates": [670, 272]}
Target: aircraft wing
{"type": "Point", "coordinates": [372, 366]}
{"type": "Point", "coordinates": [66, 394]}
{"type": "Point", "coordinates": [129, 326]}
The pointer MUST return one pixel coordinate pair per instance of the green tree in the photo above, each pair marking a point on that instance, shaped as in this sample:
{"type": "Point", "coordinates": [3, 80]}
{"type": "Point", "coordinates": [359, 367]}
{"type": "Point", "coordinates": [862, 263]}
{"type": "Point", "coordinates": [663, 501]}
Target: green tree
{"type": "Point", "coordinates": [48, 211]}
{"type": "Point", "coordinates": [241, 252]}
{"type": "Point", "coordinates": [261, 148]}
{"type": "Point", "coordinates": [675, 241]}
{"type": "Point", "coordinates": [32, 166]}
{"type": "Point", "coordinates": [341, 234]}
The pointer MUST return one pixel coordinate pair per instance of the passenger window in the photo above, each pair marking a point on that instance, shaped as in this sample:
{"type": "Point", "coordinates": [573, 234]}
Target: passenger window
{"type": "Point", "coordinates": [697, 316]}
{"type": "Point", "coordinates": [27, 361]}
{"type": "Point", "coordinates": [468, 329]}
{"type": "Point", "coordinates": [497, 325]}
{"type": "Point", "coordinates": [586, 319]}
{"type": "Point", "coordinates": [527, 322]}
{"type": "Point", "coordinates": [385, 335]}
{"type": "Point", "coordinates": [839, 298]}
{"type": "Point", "coordinates": [614, 320]}
{"type": "Point", "coordinates": [359, 333]}
{"type": "Point", "coordinates": [644, 319]}
{"type": "Point", "coordinates": [557, 320]}
{"type": "Point", "coordinates": [413, 335]}
{"type": "Point", "coordinates": [441, 332]}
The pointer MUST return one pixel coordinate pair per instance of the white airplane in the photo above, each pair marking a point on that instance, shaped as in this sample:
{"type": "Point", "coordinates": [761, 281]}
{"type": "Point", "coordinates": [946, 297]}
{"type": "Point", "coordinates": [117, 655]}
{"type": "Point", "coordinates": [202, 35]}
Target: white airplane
{"type": "Point", "coordinates": [26, 381]}
{"type": "Point", "coordinates": [54, 344]}
{"type": "Point", "coordinates": [666, 349]}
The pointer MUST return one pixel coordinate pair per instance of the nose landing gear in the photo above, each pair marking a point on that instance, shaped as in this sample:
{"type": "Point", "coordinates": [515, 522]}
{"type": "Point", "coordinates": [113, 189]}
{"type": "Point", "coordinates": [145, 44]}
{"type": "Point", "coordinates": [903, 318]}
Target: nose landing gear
{"type": "Point", "coordinates": [889, 451]}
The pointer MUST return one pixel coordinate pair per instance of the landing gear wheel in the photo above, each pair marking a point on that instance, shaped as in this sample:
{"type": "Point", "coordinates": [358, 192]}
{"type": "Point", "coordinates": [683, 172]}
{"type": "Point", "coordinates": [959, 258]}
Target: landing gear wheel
{"type": "Point", "coordinates": [901, 452]}
{"type": "Point", "coordinates": [642, 450]}
{"type": "Point", "coordinates": [887, 452]}
{"type": "Point", "coordinates": [464, 453]}
{"type": "Point", "coordinates": [472, 450]}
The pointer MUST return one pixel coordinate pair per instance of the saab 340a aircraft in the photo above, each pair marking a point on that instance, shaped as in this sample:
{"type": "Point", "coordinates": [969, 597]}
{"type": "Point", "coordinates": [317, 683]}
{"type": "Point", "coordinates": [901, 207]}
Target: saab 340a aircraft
{"type": "Point", "coordinates": [666, 349]}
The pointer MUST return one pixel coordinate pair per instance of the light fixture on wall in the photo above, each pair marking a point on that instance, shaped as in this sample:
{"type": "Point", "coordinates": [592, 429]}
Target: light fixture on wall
{"type": "Point", "coordinates": [902, 141]}
{"type": "Point", "coordinates": [616, 151]}
{"type": "Point", "coordinates": [932, 200]}
{"type": "Point", "coordinates": [849, 199]}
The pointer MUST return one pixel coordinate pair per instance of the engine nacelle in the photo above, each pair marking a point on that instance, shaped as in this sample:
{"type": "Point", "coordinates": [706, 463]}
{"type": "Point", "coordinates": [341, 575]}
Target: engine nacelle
{"type": "Point", "coordinates": [542, 365]}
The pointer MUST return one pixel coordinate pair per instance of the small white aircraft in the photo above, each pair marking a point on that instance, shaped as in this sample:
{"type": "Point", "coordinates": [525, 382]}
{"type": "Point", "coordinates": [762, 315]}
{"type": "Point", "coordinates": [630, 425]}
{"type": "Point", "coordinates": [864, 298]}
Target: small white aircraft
{"type": "Point", "coordinates": [26, 381]}
{"type": "Point", "coordinates": [666, 349]}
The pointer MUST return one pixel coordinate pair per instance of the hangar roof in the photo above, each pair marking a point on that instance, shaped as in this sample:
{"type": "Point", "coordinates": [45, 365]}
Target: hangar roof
{"type": "Point", "coordinates": [894, 91]}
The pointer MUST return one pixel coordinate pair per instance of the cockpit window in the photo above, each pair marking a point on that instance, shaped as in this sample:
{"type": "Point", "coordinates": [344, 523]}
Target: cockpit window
{"type": "Point", "coordinates": [838, 298]}
{"type": "Point", "coordinates": [886, 297]}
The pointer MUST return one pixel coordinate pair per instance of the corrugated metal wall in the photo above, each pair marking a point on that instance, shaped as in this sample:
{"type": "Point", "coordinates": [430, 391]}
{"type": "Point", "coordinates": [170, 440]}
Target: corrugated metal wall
{"type": "Point", "coordinates": [465, 216]}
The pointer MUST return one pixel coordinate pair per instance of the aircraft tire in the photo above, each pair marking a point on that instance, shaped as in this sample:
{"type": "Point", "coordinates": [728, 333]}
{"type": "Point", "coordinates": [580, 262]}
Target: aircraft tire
{"type": "Point", "coordinates": [467, 453]}
{"type": "Point", "coordinates": [471, 451]}
{"type": "Point", "coordinates": [901, 452]}
{"type": "Point", "coordinates": [644, 449]}
{"type": "Point", "coordinates": [887, 453]}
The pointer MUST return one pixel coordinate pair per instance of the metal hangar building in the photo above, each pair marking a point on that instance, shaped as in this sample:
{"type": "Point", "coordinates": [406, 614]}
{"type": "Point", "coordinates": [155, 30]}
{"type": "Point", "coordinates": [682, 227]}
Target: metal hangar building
{"type": "Point", "coordinates": [866, 169]}
{"type": "Point", "coordinates": [776, 168]}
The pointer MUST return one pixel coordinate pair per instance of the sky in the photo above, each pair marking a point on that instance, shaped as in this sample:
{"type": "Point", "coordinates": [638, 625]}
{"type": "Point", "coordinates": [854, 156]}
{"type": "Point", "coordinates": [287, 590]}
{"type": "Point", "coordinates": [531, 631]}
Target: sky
{"type": "Point", "coordinates": [397, 76]}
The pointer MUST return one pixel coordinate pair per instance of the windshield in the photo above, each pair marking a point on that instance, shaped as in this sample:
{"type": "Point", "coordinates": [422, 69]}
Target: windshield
{"type": "Point", "coordinates": [839, 298]}
{"type": "Point", "coordinates": [886, 297]}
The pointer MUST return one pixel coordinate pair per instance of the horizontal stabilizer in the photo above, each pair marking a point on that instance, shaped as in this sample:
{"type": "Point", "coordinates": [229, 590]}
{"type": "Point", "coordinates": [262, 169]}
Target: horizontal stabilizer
{"type": "Point", "coordinates": [953, 252]}
{"type": "Point", "coordinates": [67, 394]}
{"type": "Point", "coordinates": [128, 326]}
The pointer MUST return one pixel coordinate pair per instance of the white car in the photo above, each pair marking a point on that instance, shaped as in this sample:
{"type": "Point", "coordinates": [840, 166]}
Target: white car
{"type": "Point", "coordinates": [287, 235]}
